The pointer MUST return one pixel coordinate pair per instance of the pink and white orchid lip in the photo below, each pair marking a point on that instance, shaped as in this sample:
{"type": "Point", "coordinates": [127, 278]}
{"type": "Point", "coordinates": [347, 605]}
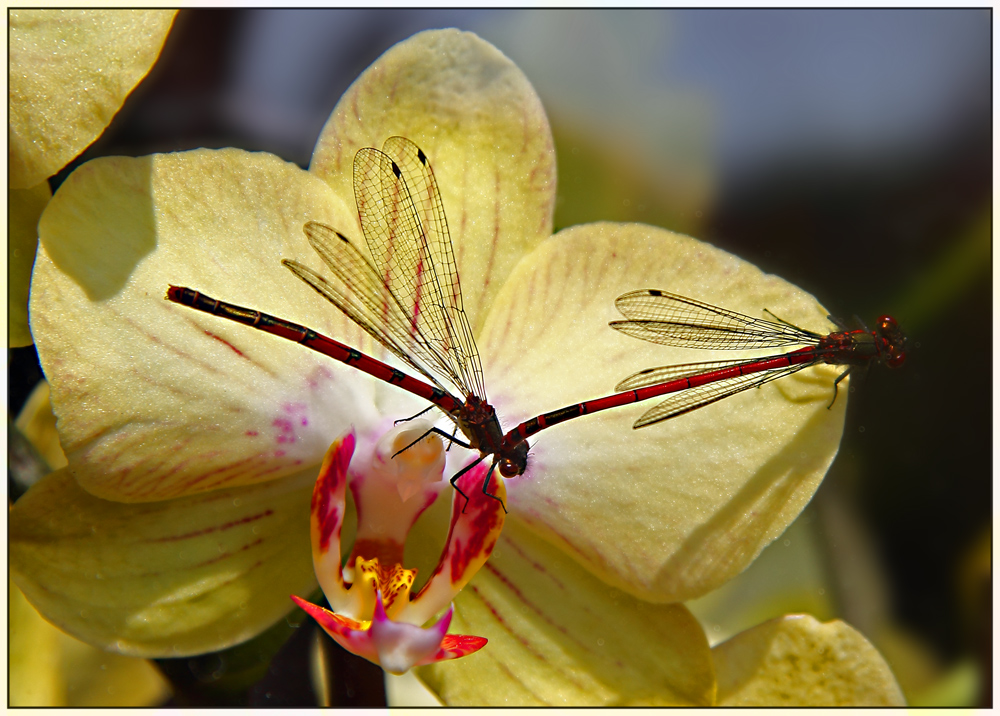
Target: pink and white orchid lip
{"type": "Point", "coordinates": [393, 480]}
{"type": "Point", "coordinates": [395, 646]}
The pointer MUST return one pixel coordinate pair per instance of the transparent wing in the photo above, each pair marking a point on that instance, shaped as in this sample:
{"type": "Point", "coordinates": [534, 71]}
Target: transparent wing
{"type": "Point", "coordinates": [403, 219]}
{"type": "Point", "coordinates": [356, 289]}
{"type": "Point", "coordinates": [693, 398]}
{"type": "Point", "coordinates": [667, 373]}
{"type": "Point", "coordinates": [672, 320]}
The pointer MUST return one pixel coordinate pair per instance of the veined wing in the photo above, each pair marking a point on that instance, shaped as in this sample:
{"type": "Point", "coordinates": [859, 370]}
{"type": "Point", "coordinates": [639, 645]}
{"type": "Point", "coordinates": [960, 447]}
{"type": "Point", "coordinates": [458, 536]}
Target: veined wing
{"type": "Point", "coordinates": [690, 399]}
{"type": "Point", "coordinates": [672, 320]}
{"type": "Point", "coordinates": [407, 233]}
{"type": "Point", "coordinates": [356, 288]}
{"type": "Point", "coordinates": [667, 373]}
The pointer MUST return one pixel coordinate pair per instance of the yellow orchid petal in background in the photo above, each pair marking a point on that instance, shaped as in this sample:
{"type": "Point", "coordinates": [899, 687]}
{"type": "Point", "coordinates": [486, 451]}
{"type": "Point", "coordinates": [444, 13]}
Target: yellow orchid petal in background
{"type": "Point", "coordinates": [32, 643]}
{"type": "Point", "coordinates": [169, 578]}
{"type": "Point", "coordinates": [798, 661]}
{"type": "Point", "coordinates": [50, 668]}
{"type": "Point", "coordinates": [70, 72]}
{"type": "Point", "coordinates": [25, 206]}
{"type": "Point", "coordinates": [38, 425]}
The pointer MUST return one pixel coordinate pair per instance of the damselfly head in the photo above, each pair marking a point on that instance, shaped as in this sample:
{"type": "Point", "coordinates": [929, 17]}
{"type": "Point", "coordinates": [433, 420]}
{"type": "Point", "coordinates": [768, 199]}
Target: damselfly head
{"type": "Point", "coordinates": [893, 341]}
{"type": "Point", "coordinates": [514, 461]}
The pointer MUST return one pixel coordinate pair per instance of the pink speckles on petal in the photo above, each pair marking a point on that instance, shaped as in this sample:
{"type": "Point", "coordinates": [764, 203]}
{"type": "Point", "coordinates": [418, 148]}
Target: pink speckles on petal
{"type": "Point", "coordinates": [286, 433]}
{"type": "Point", "coordinates": [479, 527]}
{"type": "Point", "coordinates": [251, 433]}
{"type": "Point", "coordinates": [295, 415]}
{"type": "Point", "coordinates": [318, 376]}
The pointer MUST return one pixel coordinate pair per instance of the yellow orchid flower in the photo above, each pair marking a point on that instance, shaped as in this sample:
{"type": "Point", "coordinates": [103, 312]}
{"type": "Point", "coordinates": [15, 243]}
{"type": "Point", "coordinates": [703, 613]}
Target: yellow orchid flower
{"type": "Point", "coordinates": [180, 525]}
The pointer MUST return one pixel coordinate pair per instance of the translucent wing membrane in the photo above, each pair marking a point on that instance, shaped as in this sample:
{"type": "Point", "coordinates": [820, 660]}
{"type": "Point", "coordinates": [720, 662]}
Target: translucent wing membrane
{"type": "Point", "coordinates": [693, 398]}
{"type": "Point", "coordinates": [408, 295]}
{"type": "Point", "coordinates": [672, 320]}
{"type": "Point", "coordinates": [667, 373]}
{"type": "Point", "coordinates": [356, 289]}
{"type": "Point", "coordinates": [404, 224]}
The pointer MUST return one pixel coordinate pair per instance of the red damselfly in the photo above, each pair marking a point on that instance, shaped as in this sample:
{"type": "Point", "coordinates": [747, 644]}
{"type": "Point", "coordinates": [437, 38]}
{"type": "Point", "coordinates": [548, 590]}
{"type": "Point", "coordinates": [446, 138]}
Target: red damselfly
{"type": "Point", "coordinates": [672, 320]}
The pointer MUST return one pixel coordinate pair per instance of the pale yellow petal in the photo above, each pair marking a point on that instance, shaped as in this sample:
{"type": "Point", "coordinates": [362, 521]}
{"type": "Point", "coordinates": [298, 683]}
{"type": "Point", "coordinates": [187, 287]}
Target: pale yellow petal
{"type": "Point", "coordinates": [798, 661]}
{"type": "Point", "coordinates": [50, 668]}
{"type": "Point", "coordinates": [98, 678]}
{"type": "Point", "coordinates": [560, 637]}
{"type": "Point", "coordinates": [163, 579]}
{"type": "Point", "coordinates": [157, 400]}
{"type": "Point", "coordinates": [479, 121]}
{"type": "Point", "coordinates": [37, 423]}
{"type": "Point", "coordinates": [33, 649]}
{"type": "Point", "coordinates": [675, 509]}
{"type": "Point", "coordinates": [70, 72]}
{"type": "Point", "coordinates": [789, 576]}
{"type": "Point", "coordinates": [24, 207]}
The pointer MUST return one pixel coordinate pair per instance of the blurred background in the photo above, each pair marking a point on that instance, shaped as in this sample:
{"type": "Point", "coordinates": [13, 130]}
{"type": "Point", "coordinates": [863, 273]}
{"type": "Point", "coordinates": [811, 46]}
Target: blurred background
{"type": "Point", "coordinates": [848, 151]}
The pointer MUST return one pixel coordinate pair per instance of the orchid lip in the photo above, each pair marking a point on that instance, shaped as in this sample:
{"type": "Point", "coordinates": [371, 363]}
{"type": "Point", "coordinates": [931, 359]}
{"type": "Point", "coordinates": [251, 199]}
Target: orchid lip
{"type": "Point", "coordinates": [393, 480]}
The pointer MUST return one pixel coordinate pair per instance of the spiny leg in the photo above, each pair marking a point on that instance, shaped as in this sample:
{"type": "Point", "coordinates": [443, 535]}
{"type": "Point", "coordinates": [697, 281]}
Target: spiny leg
{"type": "Point", "coordinates": [835, 384]}
{"type": "Point", "coordinates": [439, 431]}
{"type": "Point", "coordinates": [486, 485]}
{"type": "Point", "coordinates": [454, 480]}
{"type": "Point", "coordinates": [413, 417]}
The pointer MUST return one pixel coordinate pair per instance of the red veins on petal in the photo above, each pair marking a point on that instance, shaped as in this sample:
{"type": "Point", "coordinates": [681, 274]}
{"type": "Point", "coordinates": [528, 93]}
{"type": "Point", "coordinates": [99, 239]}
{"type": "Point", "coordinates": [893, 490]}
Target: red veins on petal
{"type": "Point", "coordinates": [327, 619]}
{"type": "Point", "coordinates": [392, 581]}
{"type": "Point", "coordinates": [454, 646]}
{"type": "Point", "coordinates": [483, 530]}
{"type": "Point", "coordinates": [328, 493]}
{"type": "Point", "coordinates": [476, 529]}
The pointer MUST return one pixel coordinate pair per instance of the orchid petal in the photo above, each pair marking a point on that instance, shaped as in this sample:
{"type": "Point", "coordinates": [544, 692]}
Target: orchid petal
{"type": "Point", "coordinates": [70, 72]}
{"type": "Point", "coordinates": [558, 636]}
{"type": "Point", "coordinates": [50, 668]}
{"type": "Point", "coordinates": [477, 118]}
{"type": "Point", "coordinates": [401, 646]}
{"type": "Point", "coordinates": [798, 661]}
{"type": "Point", "coordinates": [392, 484]}
{"type": "Point", "coordinates": [38, 424]}
{"type": "Point", "coordinates": [162, 579]}
{"type": "Point", "coordinates": [475, 527]}
{"type": "Point", "coordinates": [33, 646]}
{"type": "Point", "coordinates": [327, 509]}
{"type": "Point", "coordinates": [25, 206]}
{"type": "Point", "coordinates": [384, 517]}
{"type": "Point", "coordinates": [673, 510]}
{"type": "Point", "coordinates": [157, 400]}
